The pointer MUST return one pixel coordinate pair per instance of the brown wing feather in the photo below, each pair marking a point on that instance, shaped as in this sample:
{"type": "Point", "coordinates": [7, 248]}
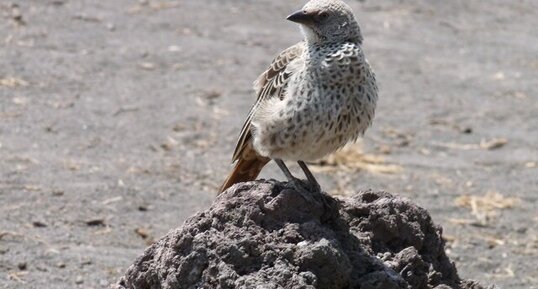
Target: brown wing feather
{"type": "Point", "coordinates": [270, 83]}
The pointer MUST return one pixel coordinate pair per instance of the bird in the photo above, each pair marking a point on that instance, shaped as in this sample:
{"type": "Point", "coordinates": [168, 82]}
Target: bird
{"type": "Point", "coordinates": [315, 97]}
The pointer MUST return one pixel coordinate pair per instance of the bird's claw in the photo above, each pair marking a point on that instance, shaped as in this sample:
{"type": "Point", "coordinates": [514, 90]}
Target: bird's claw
{"type": "Point", "coordinates": [303, 189]}
{"type": "Point", "coordinates": [308, 190]}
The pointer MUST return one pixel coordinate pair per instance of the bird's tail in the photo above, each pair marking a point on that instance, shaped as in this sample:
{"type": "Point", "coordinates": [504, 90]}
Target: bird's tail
{"type": "Point", "coordinates": [247, 168]}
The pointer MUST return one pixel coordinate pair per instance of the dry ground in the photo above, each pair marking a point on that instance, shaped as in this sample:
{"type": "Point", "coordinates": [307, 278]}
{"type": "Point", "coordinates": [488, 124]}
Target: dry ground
{"type": "Point", "coordinates": [118, 119]}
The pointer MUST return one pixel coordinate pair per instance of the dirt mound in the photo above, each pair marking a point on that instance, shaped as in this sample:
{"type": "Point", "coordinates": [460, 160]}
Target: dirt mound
{"type": "Point", "coordinates": [266, 235]}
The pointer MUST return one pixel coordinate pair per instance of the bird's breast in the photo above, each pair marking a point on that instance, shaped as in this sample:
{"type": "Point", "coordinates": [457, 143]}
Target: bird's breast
{"type": "Point", "coordinates": [327, 104]}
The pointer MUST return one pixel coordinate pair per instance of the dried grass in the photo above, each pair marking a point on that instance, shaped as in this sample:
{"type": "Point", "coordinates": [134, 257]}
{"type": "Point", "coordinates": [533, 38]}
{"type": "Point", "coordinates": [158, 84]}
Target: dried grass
{"type": "Point", "coordinates": [12, 82]}
{"type": "Point", "coordinates": [486, 207]}
{"type": "Point", "coordinates": [491, 144]}
{"type": "Point", "coordinates": [352, 158]}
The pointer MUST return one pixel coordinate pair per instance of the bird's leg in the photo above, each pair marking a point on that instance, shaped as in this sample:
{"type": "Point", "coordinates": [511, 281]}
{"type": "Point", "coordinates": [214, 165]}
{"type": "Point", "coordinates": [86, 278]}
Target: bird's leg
{"type": "Point", "coordinates": [285, 170]}
{"type": "Point", "coordinates": [311, 179]}
{"type": "Point", "coordinates": [314, 185]}
{"type": "Point", "coordinates": [296, 183]}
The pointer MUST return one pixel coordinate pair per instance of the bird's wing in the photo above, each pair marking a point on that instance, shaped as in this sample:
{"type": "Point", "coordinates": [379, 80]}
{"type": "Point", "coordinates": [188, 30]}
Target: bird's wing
{"type": "Point", "coordinates": [271, 83]}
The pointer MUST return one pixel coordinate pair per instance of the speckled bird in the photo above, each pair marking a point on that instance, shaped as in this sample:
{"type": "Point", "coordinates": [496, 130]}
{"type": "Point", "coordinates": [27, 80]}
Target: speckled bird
{"type": "Point", "coordinates": [315, 97]}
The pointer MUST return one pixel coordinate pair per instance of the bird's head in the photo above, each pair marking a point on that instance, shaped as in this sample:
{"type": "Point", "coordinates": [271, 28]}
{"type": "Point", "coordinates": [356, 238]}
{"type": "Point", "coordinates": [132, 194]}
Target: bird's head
{"type": "Point", "coordinates": [325, 21]}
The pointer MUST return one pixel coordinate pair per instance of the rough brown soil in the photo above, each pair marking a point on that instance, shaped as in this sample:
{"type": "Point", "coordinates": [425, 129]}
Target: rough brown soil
{"type": "Point", "coordinates": [118, 119]}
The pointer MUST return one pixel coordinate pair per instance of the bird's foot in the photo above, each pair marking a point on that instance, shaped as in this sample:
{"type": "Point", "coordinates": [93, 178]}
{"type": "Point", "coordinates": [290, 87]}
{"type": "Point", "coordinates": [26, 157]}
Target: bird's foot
{"type": "Point", "coordinates": [314, 187]}
{"type": "Point", "coordinates": [303, 188]}
{"type": "Point", "coordinates": [308, 190]}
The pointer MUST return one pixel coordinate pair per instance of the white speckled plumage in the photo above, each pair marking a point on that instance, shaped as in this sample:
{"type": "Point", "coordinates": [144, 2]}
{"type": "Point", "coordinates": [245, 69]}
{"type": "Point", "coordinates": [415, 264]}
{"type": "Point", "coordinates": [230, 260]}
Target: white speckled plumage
{"type": "Point", "coordinates": [317, 95]}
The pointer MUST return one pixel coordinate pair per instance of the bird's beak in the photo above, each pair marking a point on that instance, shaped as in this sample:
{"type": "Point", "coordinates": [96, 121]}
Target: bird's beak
{"type": "Point", "coordinates": [300, 17]}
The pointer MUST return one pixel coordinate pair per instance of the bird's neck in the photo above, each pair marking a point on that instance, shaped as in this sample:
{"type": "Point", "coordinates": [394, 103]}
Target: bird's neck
{"type": "Point", "coordinates": [310, 37]}
{"type": "Point", "coordinates": [351, 34]}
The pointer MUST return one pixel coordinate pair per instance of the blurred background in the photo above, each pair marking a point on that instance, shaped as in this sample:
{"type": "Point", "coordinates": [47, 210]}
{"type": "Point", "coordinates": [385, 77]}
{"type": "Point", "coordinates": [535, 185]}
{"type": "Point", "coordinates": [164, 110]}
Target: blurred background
{"type": "Point", "coordinates": [118, 120]}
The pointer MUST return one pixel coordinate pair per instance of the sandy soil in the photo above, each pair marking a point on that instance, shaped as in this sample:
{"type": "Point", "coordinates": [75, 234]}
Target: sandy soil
{"type": "Point", "coordinates": [118, 118]}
